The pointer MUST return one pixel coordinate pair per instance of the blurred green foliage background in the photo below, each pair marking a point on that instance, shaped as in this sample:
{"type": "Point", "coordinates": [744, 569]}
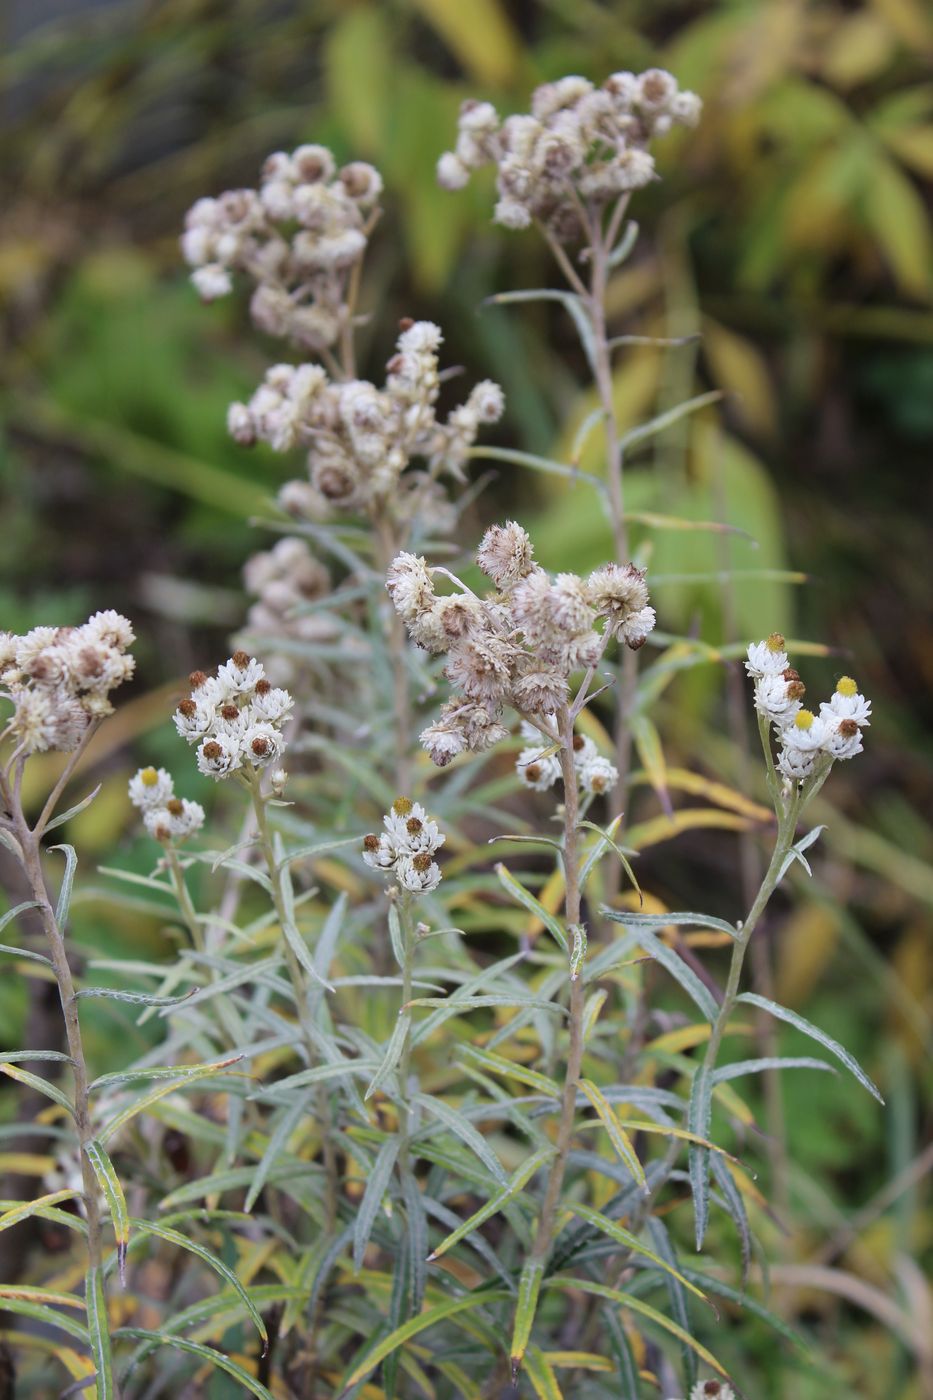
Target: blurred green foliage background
{"type": "Point", "coordinates": [794, 230]}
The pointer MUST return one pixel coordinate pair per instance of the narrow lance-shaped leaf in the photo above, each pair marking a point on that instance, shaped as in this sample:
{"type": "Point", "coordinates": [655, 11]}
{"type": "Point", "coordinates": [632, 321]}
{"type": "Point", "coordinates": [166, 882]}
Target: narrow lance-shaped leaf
{"type": "Point", "coordinates": [135, 998]}
{"type": "Point", "coordinates": [607, 837]}
{"type": "Point", "coordinates": [782, 1013]}
{"type": "Point", "coordinates": [182, 1082]}
{"type": "Point", "coordinates": [624, 1237]}
{"type": "Point", "coordinates": [109, 1183]}
{"type": "Point", "coordinates": [529, 1286]}
{"type": "Point", "coordinates": [68, 879]}
{"type": "Point", "coordinates": [214, 1358]}
{"type": "Point", "coordinates": [98, 1327]}
{"type": "Point", "coordinates": [741, 1067]}
{"type": "Point", "coordinates": [376, 1187]}
{"type": "Point", "coordinates": [73, 811]}
{"type": "Point", "coordinates": [628, 1300]}
{"type": "Point", "coordinates": [14, 913]}
{"type": "Point", "coordinates": [464, 1130]}
{"type": "Point", "coordinates": [449, 1308]}
{"type": "Point", "coordinates": [617, 1134]}
{"type": "Point", "coordinates": [393, 1054]}
{"type": "Point", "coordinates": [541, 1374]}
{"type": "Point", "coordinates": [36, 1207]}
{"type": "Point", "coordinates": [699, 1113]}
{"type": "Point", "coordinates": [37, 1083]}
{"type": "Point", "coordinates": [519, 1178]}
{"type": "Point", "coordinates": [525, 898]}
{"type": "Point", "coordinates": [669, 959]}
{"type": "Point", "coordinates": [180, 1241]}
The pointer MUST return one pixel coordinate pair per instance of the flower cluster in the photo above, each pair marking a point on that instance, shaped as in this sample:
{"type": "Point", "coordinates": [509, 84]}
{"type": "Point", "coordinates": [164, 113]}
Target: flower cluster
{"type": "Point", "coordinates": [407, 847]}
{"type": "Point", "coordinates": [166, 817]}
{"type": "Point", "coordinates": [360, 439]}
{"type": "Point", "coordinates": [836, 732]}
{"type": "Point", "coordinates": [296, 237]}
{"type": "Point", "coordinates": [520, 646]}
{"type": "Point", "coordinates": [538, 766]}
{"type": "Point", "coordinates": [59, 679]}
{"type": "Point", "coordinates": [283, 579]}
{"type": "Point", "coordinates": [580, 145]}
{"type": "Point", "coordinates": [235, 717]}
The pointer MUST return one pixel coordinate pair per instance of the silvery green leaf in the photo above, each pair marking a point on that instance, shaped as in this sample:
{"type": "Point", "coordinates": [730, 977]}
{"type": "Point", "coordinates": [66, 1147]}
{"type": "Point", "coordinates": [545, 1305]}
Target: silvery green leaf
{"type": "Point", "coordinates": [782, 1013]}
{"type": "Point", "coordinates": [796, 853]}
{"type": "Point", "coordinates": [675, 965]}
{"type": "Point", "coordinates": [376, 1187]}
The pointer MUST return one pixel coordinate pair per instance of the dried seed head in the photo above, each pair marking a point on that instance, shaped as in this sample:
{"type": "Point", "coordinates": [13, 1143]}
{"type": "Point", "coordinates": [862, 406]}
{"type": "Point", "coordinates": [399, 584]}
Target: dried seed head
{"type": "Point", "coordinates": [796, 690]}
{"type": "Point", "coordinates": [413, 826]}
{"type": "Point", "coordinates": [790, 674]}
{"type": "Point", "coordinates": [371, 842]}
{"type": "Point", "coordinates": [422, 861]}
{"type": "Point", "coordinates": [260, 746]}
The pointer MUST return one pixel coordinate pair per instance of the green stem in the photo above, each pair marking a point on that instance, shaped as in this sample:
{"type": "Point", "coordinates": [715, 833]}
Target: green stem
{"type": "Point", "coordinates": [183, 895]}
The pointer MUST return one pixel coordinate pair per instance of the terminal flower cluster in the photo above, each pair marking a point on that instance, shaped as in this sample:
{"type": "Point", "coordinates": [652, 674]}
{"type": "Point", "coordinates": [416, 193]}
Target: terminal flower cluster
{"type": "Point", "coordinates": [579, 146]}
{"type": "Point", "coordinates": [805, 737]}
{"type": "Point", "coordinates": [539, 768]}
{"type": "Point", "coordinates": [167, 818]}
{"type": "Point", "coordinates": [360, 439]}
{"type": "Point", "coordinates": [235, 717]}
{"type": "Point", "coordinates": [297, 238]}
{"type": "Point", "coordinates": [407, 847]}
{"type": "Point", "coordinates": [520, 646]}
{"type": "Point", "coordinates": [59, 679]}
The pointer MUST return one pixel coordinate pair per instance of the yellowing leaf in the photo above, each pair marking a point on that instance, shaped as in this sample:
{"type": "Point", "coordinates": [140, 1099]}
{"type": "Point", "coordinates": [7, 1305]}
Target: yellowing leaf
{"type": "Point", "coordinates": [479, 34]}
{"type": "Point", "coordinates": [740, 368]}
{"type": "Point", "coordinates": [860, 48]}
{"type": "Point", "coordinates": [658, 829]}
{"type": "Point", "coordinates": [899, 220]}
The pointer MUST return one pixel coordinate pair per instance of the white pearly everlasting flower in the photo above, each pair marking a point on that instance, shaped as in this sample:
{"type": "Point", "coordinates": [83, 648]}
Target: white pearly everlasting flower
{"type": "Point", "coordinates": [847, 703]}
{"type": "Point", "coordinates": [150, 788]}
{"type": "Point", "coordinates": [219, 755]}
{"type": "Point", "coordinates": [598, 775]}
{"type": "Point", "coordinates": [537, 768]}
{"type": "Point", "coordinates": [58, 679]}
{"type": "Point", "coordinates": [235, 716]}
{"type": "Point", "coordinates": [407, 847]}
{"type": "Point", "coordinates": [803, 736]}
{"type": "Point", "coordinates": [767, 658]}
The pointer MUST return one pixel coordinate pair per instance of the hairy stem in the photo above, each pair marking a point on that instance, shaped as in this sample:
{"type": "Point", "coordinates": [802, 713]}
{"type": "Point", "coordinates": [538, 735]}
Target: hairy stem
{"type": "Point", "coordinates": [300, 988]}
{"type": "Point", "coordinates": [404, 1064]}
{"type": "Point", "coordinates": [386, 550]}
{"type": "Point", "coordinates": [55, 939]}
{"type": "Point", "coordinates": [546, 1221]}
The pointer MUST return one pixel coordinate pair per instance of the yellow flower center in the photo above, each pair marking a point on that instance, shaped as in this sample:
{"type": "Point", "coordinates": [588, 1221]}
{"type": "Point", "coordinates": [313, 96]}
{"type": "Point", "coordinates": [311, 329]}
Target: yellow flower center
{"type": "Point", "coordinates": [804, 719]}
{"type": "Point", "coordinates": [149, 777]}
{"type": "Point", "coordinates": [846, 686]}
{"type": "Point", "coordinates": [775, 642]}
{"type": "Point", "coordinates": [402, 806]}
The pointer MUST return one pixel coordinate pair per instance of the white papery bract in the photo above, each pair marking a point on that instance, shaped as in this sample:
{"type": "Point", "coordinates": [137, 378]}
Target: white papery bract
{"type": "Point", "coordinates": [407, 847]}
{"type": "Point", "coordinates": [518, 647]}
{"type": "Point", "coordinates": [59, 679]}
{"type": "Point", "coordinates": [167, 818]}
{"type": "Point", "coordinates": [235, 717]}
{"type": "Point", "coordinates": [804, 737]}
